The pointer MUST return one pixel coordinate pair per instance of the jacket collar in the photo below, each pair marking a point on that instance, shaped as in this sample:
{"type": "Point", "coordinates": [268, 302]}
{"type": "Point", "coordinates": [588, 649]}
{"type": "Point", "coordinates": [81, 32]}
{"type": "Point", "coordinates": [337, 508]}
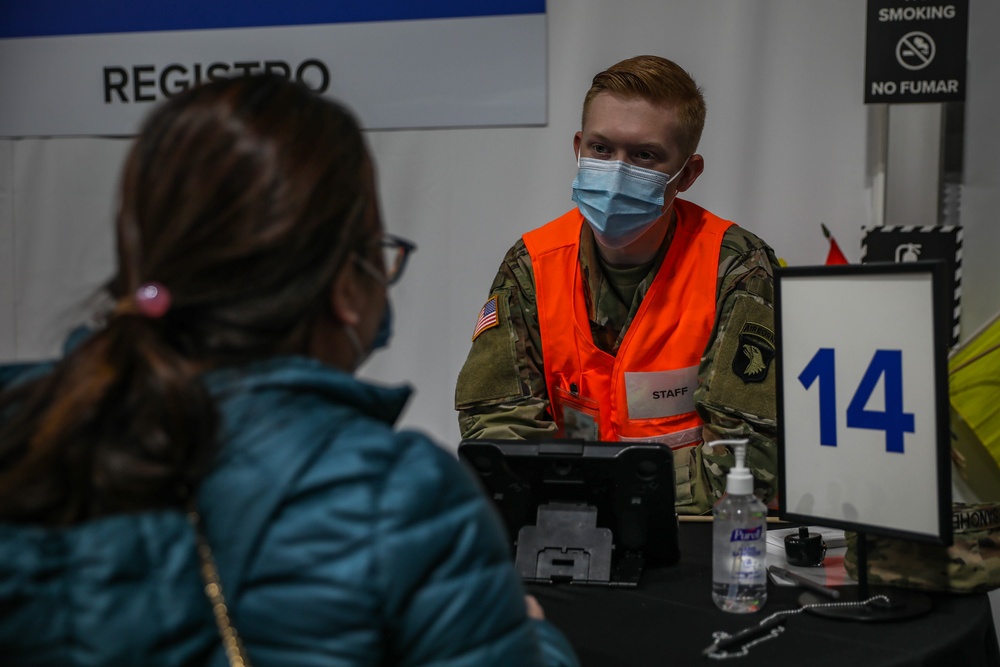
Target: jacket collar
{"type": "Point", "coordinates": [384, 403]}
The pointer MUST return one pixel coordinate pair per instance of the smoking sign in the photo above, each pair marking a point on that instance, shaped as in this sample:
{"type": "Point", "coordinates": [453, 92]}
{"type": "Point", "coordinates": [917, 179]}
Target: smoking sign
{"type": "Point", "coordinates": [916, 51]}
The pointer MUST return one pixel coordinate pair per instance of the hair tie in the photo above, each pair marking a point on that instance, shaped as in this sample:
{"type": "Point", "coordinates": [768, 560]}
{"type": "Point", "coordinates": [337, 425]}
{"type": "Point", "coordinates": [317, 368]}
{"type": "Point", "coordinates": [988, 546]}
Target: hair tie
{"type": "Point", "coordinates": [152, 300]}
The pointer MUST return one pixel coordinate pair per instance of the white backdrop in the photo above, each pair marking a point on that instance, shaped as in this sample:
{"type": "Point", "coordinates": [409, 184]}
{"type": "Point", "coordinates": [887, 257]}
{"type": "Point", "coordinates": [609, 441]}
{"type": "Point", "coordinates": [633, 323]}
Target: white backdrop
{"type": "Point", "coordinates": [786, 146]}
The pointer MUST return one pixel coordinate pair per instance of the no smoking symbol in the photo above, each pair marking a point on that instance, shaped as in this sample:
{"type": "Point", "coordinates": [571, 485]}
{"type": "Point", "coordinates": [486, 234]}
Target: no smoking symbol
{"type": "Point", "coordinates": [915, 50]}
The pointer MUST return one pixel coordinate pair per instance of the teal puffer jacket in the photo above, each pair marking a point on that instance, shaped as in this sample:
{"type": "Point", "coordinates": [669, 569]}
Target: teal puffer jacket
{"type": "Point", "coordinates": [338, 541]}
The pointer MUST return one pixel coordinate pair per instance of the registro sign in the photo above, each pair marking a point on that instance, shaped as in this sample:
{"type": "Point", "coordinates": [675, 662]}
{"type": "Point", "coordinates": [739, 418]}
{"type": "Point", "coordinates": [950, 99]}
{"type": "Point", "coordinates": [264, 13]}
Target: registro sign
{"type": "Point", "coordinates": [97, 67]}
{"type": "Point", "coordinates": [916, 51]}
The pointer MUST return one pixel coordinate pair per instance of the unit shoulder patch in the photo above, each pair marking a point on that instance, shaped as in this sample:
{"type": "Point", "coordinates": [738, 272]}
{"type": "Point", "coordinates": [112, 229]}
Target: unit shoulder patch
{"type": "Point", "coordinates": [753, 356]}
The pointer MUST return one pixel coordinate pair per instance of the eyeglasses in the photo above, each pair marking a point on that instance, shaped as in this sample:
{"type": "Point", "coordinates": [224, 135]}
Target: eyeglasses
{"type": "Point", "coordinates": [395, 252]}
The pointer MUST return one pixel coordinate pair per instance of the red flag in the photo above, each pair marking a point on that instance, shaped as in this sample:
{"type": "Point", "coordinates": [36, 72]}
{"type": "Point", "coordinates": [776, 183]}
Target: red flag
{"type": "Point", "coordinates": [834, 256]}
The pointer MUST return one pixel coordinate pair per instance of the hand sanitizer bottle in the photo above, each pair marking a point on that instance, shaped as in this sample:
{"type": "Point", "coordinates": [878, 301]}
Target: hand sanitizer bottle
{"type": "Point", "coordinates": [739, 574]}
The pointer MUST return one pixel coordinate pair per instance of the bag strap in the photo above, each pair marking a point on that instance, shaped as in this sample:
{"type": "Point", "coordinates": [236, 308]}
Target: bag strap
{"type": "Point", "coordinates": [231, 643]}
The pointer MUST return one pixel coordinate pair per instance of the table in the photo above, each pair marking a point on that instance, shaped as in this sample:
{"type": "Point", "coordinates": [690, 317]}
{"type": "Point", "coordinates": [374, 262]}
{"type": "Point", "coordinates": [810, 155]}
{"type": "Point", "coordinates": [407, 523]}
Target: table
{"type": "Point", "coordinates": [669, 619]}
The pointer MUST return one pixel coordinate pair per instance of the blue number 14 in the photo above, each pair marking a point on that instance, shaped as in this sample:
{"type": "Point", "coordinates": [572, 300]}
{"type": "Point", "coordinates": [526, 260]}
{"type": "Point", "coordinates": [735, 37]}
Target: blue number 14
{"type": "Point", "coordinates": [887, 364]}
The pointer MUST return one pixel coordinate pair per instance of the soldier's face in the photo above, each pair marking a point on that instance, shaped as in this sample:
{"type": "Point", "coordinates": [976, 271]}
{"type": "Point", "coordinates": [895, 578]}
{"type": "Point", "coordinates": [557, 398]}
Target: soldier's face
{"type": "Point", "coordinates": [631, 130]}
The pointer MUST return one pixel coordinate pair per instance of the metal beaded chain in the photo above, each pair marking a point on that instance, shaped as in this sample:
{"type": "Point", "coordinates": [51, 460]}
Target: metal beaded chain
{"type": "Point", "coordinates": [777, 630]}
{"type": "Point", "coordinates": [231, 643]}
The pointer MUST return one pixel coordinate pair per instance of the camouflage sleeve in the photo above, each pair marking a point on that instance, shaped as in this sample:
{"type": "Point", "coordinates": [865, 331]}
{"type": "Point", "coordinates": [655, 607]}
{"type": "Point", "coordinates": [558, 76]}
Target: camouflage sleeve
{"type": "Point", "coordinates": [500, 391]}
{"type": "Point", "coordinates": [736, 395]}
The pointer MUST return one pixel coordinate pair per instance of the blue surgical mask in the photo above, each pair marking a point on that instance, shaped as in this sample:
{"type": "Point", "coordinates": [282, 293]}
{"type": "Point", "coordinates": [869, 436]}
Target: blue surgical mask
{"type": "Point", "coordinates": [381, 340]}
{"type": "Point", "coordinates": [620, 201]}
{"type": "Point", "coordinates": [384, 332]}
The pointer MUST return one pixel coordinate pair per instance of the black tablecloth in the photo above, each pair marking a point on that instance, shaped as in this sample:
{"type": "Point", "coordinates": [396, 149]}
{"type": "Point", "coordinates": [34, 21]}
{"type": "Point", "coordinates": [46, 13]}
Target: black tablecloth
{"type": "Point", "coordinates": [669, 619]}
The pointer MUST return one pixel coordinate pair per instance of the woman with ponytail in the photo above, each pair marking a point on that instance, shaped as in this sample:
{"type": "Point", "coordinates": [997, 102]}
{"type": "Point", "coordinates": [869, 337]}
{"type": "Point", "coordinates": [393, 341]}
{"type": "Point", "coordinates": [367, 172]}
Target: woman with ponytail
{"type": "Point", "coordinates": [200, 479]}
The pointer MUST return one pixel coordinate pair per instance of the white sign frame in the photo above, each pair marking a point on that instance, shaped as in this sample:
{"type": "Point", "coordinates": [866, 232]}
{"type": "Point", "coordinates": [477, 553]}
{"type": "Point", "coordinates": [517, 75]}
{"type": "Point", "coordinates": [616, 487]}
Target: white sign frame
{"type": "Point", "coordinates": [872, 453]}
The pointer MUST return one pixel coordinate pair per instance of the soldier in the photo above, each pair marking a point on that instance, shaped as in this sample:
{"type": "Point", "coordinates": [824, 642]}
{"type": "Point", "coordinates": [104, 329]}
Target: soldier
{"type": "Point", "coordinates": [636, 315]}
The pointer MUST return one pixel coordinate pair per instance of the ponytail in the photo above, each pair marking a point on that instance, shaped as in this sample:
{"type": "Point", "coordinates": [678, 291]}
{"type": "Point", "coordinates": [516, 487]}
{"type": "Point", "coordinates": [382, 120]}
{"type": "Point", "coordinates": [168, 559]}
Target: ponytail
{"type": "Point", "coordinates": [121, 424]}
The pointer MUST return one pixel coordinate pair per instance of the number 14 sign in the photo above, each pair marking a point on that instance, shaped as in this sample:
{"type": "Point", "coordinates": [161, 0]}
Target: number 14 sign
{"type": "Point", "coordinates": [863, 398]}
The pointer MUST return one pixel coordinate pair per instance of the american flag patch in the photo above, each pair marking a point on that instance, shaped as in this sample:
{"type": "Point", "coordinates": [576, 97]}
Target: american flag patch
{"type": "Point", "coordinates": [487, 317]}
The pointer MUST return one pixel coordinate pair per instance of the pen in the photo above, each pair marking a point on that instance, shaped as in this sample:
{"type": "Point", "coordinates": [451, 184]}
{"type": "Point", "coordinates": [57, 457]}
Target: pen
{"type": "Point", "coordinates": [745, 635]}
{"type": "Point", "coordinates": [803, 581]}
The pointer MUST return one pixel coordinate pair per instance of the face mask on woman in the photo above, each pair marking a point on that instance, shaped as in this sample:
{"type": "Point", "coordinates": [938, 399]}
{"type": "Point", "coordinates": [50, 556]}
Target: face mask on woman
{"type": "Point", "coordinates": [620, 201]}
{"type": "Point", "coordinates": [384, 333]}
{"type": "Point", "coordinates": [381, 340]}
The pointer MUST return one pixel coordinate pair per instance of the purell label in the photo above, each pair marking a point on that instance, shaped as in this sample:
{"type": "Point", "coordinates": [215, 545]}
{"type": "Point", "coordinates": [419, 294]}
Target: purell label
{"type": "Point", "coordinates": [746, 534]}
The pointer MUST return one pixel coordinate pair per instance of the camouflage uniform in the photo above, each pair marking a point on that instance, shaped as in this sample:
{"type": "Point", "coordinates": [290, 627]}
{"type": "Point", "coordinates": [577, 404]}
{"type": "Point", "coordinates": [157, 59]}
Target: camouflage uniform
{"type": "Point", "coordinates": [971, 564]}
{"type": "Point", "coordinates": [501, 389]}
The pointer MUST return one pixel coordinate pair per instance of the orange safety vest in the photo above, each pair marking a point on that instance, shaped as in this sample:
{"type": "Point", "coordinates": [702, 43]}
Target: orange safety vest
{"type": "Point", "coordinates": [646, 392]}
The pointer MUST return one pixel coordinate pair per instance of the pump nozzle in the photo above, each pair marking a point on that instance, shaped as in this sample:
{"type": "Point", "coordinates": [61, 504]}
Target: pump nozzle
{"type": "Point", "coordinates": [739, 446]}
{"type": "Point", "coordinates": [740, 451]}
{"type": "Point", "coordinates": [739, 481]}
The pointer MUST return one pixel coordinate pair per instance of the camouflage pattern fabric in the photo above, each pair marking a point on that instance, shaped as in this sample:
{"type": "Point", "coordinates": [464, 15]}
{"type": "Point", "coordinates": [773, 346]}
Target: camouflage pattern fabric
{"type": "Point", "coordinates": [501, 390]}
{"type": "Point", "coordinates": [970, 565]}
